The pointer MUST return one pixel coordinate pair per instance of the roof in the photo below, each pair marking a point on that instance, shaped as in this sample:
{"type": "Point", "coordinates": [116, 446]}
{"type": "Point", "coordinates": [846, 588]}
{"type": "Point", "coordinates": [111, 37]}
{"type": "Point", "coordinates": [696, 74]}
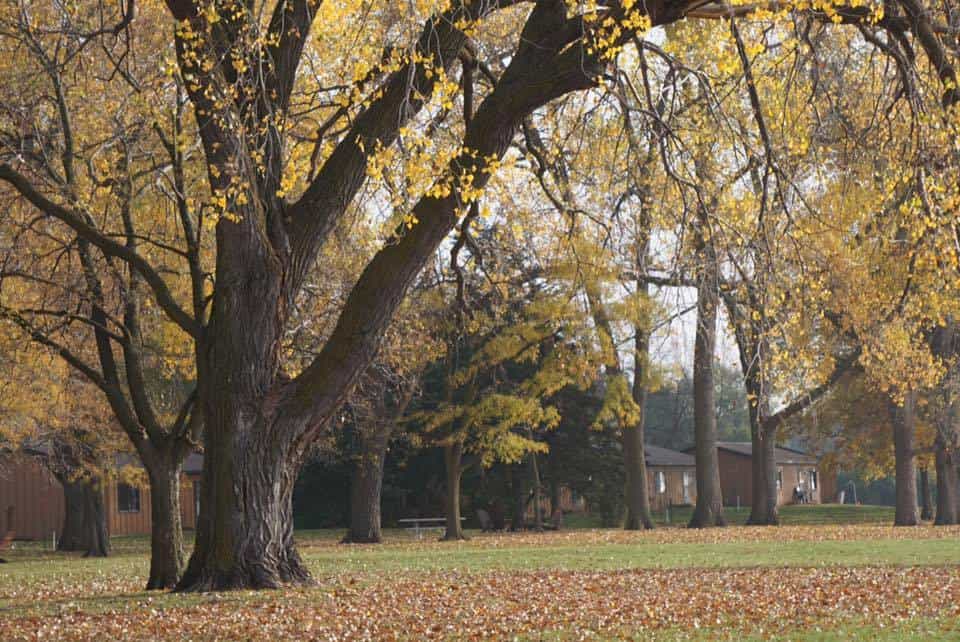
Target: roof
{"type": "Point", "coordinates": [783, 455]}
{"type": "Point", "coordinates": [192, 465]}
{"type": "Point", "coordinates": [657, 456]}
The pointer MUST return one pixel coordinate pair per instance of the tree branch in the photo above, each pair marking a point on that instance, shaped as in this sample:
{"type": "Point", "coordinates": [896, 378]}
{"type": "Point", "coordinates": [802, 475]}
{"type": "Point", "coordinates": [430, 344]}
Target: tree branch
{"type": "Point", "coordinates": [107, 245]}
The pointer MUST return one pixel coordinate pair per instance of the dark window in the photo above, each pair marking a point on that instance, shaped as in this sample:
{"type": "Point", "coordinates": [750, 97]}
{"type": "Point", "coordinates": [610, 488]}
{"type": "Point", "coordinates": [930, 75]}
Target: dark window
{"type": "Point", "coordinates": [128, 498]}
{"type": "Point", "coordinates": [779, 479]}
{"type": "Point", "coordinates": [813, 480]}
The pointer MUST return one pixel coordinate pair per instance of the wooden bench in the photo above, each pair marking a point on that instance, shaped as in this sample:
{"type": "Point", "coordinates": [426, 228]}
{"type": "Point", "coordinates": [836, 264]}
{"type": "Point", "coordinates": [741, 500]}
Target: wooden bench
{"type": "Point", "coordinates": [420, 524]}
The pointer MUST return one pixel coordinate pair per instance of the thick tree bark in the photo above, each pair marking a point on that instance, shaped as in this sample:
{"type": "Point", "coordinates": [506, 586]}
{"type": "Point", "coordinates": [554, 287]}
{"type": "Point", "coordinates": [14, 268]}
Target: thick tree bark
{"type": "Point", "coordinates": [366, 486]}
{"type": "Point", "coordinates": [245, 528]}
{"type": "Point", "coordinates": [902, 418]}
{"type": "Point", "coordinates": [709, 508]}
{"type": "Point", "coordinates": [85, 518]}
{"type": "Point", "coordinates": [72, 534]}
{"type": "Point", "coordinates": [926, 495]}
{"type": "Point", "coordinates": [257, 424]}
{"type": "Point", "coordinates": [95, 521]}
{"type": "Point", "coordinates": [452, 455]}
{"type": "Point", "coordinates": [166, 532]}
{"type": "Point", "coordinates": [947, 499]}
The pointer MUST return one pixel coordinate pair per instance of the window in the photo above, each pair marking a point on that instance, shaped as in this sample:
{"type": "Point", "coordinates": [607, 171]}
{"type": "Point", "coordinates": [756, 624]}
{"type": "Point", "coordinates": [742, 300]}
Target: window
{"type": "Point", "coordinates": [687, 483]}
{"type": "Point", "coordinates": [660, 480]}
{"type": "Point", "coordinates": [813, 480]}
{"type": "Point", "coordinates": [128, 498]}
{"type": "Point", "coordinates": [779, 479]}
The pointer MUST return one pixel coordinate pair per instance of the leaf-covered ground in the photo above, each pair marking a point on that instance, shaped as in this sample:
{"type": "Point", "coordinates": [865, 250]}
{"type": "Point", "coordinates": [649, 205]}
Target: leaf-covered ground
{"type": "Point", "coordinates": [795, 582]}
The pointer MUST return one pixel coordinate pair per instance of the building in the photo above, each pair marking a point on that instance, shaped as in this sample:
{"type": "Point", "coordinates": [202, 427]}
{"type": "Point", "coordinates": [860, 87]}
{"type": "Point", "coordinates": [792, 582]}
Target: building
{"type": "Point", "coordinates": [796, 470]}
{"type": "Point", "coordinates": [671, 477]}
{"type": "Point", "coordinates": [37, 499]}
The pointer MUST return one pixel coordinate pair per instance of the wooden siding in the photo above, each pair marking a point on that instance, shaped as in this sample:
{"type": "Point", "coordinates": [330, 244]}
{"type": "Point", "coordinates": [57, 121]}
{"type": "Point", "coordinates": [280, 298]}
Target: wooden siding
{"type": "Point", "coordinates": [127, 523]}
{"type": "Point", "coordinates": [736, 479]}
{"type": "Point", "coordinates": [36, 496]}
{"type": "Point", "coordinates": [798, 475]}
{"type": "Point", "coordinates": [673, 494]}
{"type": "Point", "coordinates": [188, 512]}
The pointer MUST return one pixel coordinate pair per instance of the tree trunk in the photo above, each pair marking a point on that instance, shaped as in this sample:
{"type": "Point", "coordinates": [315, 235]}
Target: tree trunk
{"type": "Point", "coordinates": [97, 540]}
{"type": "Point", "coordinates": [535, 480]}
{"type": "Point", "coordinates": [257, 424]}
{"type": "Point", "coordinates": [764, 509]}
{"type": "Point", "coordinates": [452, 454]}
{"type": "Point", "coordinates": [252, 451]}
{"type": "Point", "coordinates": [902, 418]}
{"type": "Point", "coordinates": [245, 528]}
{"type": "Point", "coordinates": [85, 518]}
{"type": "Point", "coordinates": [926, 495]}
{"type": "Point", "coordinates": [74, 501]}
{"type": "Point", "coordinates": [709, 508]}
{"type": "Point", "coordinates": [555, 499]}
{"type": "Point", "coordinates": [946, 463]}
{"type": "Point", "coordinates": [637, 494]}
{"type": "Point", "coordinates": [518, 520]}
{"type": "Point", "coordinates": [166, 533]}
{"type": "Point", "coordinates": [366, 487]}
{"type": "Point", "coordinates": [634, 454]}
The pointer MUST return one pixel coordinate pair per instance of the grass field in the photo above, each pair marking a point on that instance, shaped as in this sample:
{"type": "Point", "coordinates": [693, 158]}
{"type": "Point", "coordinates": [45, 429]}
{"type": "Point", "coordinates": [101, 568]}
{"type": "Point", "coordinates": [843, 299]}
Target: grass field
{"type": "Point", "coordinates": [833, 574]}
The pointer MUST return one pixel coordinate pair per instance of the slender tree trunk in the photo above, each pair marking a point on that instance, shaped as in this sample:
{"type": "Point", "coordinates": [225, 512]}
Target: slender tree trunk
{"type": "Point", "coordinates": [166, 533]}
{"type": "Point", "coordinates": [518, 521]}
{"type": "Point", "coordinates": [366, 487]}
{"type": "Point", "coordinates": [709, 508]}
{"type": "Point", "coordinates": [452, 455]}
{"type": "Point", "coordinates": [535, 480]}
{"type": "Point", "coordinates": [72, 535]}
{"type": "Point", "coordinates": [768, 458]}
{"type": "Point", "coordinates": [637, 494]}
{"type": "Point", "coordinates": [764, 510]}
{"type": "Point", "coordinates": [902, 418]}
{"type": "Point", "coordinates": [97, 540]}
{"type": "Point", "coordinates": [555, 487]}
{"type": "Point", "coordinates": [758, 485]}
{"type": "Point", "coordinates": [946, 464]}
{"type": "Point", "coordinates": [926, 495]}
{"type": "Point", "coordinates": [634, 453]}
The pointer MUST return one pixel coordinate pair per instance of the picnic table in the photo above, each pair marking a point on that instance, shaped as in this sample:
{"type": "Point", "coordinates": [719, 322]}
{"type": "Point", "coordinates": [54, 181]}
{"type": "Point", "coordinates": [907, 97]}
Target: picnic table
{"type": "Point", "coordinates": [420, 524]}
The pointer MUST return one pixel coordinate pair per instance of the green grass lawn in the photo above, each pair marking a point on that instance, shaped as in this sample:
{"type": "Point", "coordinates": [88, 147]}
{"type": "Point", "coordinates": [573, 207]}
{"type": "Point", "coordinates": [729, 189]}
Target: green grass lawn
{"type": "Point", "coordinates": [577, 583]}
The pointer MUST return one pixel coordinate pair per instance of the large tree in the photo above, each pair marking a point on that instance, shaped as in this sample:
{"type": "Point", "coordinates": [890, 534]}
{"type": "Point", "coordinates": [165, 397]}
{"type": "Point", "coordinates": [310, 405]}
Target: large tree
{"type": "Point", "coordinates": [239, 64]}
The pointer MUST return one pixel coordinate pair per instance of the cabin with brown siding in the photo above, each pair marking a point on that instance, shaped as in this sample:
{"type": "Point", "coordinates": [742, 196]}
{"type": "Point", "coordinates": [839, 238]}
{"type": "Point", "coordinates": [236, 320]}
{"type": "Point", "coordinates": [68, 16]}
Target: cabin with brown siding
{"type": "Point", "coordinates": [796, 470]}
{"type": "Point", "coordinates": [37, 499]}
{"type": "Point", "coordinates": [671, 477]}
